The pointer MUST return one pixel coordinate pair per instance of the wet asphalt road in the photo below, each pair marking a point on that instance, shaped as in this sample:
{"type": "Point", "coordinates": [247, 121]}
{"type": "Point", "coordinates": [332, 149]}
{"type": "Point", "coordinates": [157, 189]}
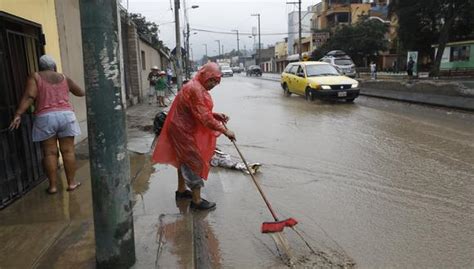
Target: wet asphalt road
{"type": "Point", "coordinates": [381, 184]}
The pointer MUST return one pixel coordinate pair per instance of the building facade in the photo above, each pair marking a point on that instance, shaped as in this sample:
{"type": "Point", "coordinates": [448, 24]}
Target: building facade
{"type": "Point", "coordinates": [329, 14]}
{"type": "Point", "coordinates": [29, 29]}
{"type": "Point", "coordinates": [267, 61]}
{"type": "Point", "coordinates": [293, 29]}
{"type": "Point", "coordinates": [149, 57]}
{"type": "Point", "coordinates": [281, 53]}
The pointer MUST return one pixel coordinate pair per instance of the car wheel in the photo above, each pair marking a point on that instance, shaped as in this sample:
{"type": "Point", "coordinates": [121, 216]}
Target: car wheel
{"type": "Point", "coordinates": [350, 100]}
{"type": "Point", "coordinates": [286, 90]}
{"type": "Point", "coordinates": [309, 94]}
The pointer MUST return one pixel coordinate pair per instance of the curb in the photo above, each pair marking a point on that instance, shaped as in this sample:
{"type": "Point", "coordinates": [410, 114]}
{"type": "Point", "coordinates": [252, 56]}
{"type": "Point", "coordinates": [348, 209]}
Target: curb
{"type": "Point", "coordinates": [456, 102]}
{"type": "Point", "coordinates": [461, 103]}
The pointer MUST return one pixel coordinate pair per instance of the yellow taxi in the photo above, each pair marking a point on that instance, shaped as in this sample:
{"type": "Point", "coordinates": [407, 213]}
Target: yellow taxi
{"type": "Point", "coordinates": [318, 80]}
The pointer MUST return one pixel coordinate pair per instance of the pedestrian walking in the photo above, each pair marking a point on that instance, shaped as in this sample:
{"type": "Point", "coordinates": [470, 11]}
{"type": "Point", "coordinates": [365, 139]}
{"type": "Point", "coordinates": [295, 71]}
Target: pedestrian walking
{"type": "Point", "coordinates": [410, 66]}
{"type": "Point", "coordinates": [188, 138]}
{"type": "Point", "coordinates": [55, 121]}
{"type": "Point", "coordinates": [160, 88]}
{"type": "Point", "coordinates": [373, 70]}
{"type": "Point", "coordinates": [153, 77]}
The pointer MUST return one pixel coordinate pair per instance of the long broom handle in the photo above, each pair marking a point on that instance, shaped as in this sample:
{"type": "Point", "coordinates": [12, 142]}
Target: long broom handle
{"type": "Point", "coordinates": [254, 180]}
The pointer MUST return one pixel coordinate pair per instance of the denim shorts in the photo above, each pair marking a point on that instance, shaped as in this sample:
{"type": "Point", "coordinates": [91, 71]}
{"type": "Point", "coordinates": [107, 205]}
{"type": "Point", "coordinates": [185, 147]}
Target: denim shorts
{"type": "Point", "coordinates": [56, 123]}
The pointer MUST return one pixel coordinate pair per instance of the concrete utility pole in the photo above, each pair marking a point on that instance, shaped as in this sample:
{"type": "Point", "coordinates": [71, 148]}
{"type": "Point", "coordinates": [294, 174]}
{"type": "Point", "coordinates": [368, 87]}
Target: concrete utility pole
{"type": "Point", "coordinates": [299, 27]}
{"type": "Point", "coordinates": [188, 74]}
{"type": "Point", "coordinates": [299, 30]}
{"type": "Point", "coordinates": [109, 160]}
{"type": "Point", "coordinates": [219, 46]}
{"type": "Point", "coordinates": [186, 44]}
{"type": "Point", "coordinates": [179, 58]}
{"type": "Point", "coordinates": [259, 42]}
{"type": "Point", "coordinates": [205, 45]}
{"type": "Point", "coordinates": [238, 49]}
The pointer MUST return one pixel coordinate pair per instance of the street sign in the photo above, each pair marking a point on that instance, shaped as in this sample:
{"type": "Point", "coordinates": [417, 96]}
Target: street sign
{"type": "Point", "coordinates": [320, 38]}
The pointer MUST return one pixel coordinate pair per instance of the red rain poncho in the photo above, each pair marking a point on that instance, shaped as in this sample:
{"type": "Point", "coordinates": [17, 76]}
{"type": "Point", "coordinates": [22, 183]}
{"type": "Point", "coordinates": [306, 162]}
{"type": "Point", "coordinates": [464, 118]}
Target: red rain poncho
{"type": "Point", "coordinates": [190, 130]}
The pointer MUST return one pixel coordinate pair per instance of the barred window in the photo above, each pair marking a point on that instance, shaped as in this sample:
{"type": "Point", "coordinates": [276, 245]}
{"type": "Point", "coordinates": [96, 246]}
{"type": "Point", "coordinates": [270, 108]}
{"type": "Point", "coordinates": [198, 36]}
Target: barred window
{"type": "Point", "coordinates": [460, 53]}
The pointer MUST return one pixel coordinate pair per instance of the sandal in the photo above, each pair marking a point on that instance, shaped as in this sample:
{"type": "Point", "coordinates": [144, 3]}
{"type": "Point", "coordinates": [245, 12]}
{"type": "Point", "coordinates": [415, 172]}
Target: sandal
{"type": "Point", "coordinates": [48, 191]}
{"type": "Point", "coordinates": [78, 184]}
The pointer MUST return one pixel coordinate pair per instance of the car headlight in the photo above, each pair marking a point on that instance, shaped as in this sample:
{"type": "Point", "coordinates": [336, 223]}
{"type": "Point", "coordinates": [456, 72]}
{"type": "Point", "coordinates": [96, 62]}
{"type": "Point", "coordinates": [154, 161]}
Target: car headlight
{"type": "Point", "coordinates": [325, 87]}
{"type": "Point", "coordinates": [355, 85]}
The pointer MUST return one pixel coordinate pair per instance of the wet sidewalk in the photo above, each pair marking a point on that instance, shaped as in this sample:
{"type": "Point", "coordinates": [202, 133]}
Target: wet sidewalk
{"type": "Point", "coordinates": [57, 231]}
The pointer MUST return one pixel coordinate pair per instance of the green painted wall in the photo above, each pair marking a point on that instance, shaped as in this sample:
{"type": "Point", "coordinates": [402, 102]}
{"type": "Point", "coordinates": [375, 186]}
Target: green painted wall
{"type": "Point", "coordinates": [460, 64]}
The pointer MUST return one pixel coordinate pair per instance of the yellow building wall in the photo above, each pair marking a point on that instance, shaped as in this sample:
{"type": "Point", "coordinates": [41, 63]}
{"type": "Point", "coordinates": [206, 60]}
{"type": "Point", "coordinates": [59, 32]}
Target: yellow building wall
{"type": "Point", "coordinates": [281, 49]}
{"type": "Point", "coordinates": [358, 10]}
{"type": "Point", "coordinates": [42, 12]}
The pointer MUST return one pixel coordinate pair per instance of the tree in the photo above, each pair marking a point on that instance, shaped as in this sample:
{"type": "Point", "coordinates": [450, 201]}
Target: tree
{"type": "Point", "coordinates": [148, 30]}
{"type": "Point", "coordinates": [363, 39]}
{"type": "Point", "coordinates": [423, 23]}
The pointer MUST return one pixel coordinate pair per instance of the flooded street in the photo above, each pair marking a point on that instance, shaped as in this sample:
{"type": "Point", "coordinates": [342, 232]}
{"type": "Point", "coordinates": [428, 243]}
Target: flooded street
{"type": "Point", "coordinates": [374, 184]}
{"type": "Point", "coordinates": [377, 183]}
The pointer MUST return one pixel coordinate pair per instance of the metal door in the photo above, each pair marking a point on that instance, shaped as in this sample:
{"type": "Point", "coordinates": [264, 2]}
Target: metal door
{"type": "Point", "coordinates": [20, 158]}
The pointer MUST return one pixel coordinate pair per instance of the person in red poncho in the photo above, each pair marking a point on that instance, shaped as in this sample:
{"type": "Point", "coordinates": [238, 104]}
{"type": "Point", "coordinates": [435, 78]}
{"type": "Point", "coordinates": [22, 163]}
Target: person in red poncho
{"type": "Point", "coordinates": [189, 134]}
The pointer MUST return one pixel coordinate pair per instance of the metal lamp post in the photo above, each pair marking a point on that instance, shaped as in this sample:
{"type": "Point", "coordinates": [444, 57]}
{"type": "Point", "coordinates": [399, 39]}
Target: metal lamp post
{"type": "Point", "coordinates": [238, 48]}
{"type": "Point", "coordinates": [188, 74]}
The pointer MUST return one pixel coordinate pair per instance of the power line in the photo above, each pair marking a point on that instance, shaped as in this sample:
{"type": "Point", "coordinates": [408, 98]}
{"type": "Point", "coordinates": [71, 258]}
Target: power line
{"type": "Point", "coordinates": [244, 33]}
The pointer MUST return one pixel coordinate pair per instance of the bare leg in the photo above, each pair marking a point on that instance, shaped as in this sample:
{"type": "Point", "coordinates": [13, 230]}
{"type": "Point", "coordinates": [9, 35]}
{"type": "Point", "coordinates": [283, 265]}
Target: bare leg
{"type": "Point", "coordinates": [181, 182]}
{"type": "Point", "coordinates": [50, 162]}
{"type": "Point", "coordinates": [196, 195]}
{"type": "Point", "coordinates": [66, 145]}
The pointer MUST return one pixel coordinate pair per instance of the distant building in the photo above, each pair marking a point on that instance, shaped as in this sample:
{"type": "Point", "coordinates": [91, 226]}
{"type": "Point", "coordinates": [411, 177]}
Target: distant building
{"type": "Point", "coordinates": [293, 28]}
{"type": "Point", "coordinates": [333, 13]}
{"type": "Point", "coordinates": [267, 60]}
{"type": "Point", "coordinates": [281, 53]}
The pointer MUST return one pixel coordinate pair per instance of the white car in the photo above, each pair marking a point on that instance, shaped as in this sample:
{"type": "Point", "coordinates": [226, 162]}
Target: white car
{"type": "Point", "coordinates": [227, 71]}
{"type": "Point", "coordinates": [343, 63]}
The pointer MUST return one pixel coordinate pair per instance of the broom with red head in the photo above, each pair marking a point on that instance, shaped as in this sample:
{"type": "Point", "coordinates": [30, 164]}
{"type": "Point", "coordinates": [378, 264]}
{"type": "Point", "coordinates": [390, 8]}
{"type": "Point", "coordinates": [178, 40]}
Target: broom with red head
{"type": "Point", "coordinates": [269, 226]}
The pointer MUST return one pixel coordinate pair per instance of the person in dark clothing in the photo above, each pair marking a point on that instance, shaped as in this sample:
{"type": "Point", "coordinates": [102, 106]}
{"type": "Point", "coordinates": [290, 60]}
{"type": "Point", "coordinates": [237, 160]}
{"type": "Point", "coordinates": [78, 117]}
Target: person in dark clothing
{"type": "Point", "coordinates": [410, 66]}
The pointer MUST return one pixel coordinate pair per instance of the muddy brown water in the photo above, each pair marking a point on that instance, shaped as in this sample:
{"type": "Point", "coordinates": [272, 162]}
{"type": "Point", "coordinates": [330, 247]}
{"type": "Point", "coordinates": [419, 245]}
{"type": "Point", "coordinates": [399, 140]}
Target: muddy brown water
{"type": "Point", "coordinates": [374, 184]}
{"type": "Point", "coordinates": [377, 183]}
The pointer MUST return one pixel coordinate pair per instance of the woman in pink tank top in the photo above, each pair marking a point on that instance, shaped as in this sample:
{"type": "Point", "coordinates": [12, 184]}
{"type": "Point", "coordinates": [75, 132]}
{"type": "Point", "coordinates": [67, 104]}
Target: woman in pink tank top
{"type": "Point", "coordinates": [55, 121]}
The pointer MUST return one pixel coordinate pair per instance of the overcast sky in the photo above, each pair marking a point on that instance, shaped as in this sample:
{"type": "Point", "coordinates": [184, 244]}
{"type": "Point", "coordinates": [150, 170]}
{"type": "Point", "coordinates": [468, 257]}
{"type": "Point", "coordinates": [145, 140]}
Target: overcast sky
{"type": "Point", "coordinates": [220, 15]}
